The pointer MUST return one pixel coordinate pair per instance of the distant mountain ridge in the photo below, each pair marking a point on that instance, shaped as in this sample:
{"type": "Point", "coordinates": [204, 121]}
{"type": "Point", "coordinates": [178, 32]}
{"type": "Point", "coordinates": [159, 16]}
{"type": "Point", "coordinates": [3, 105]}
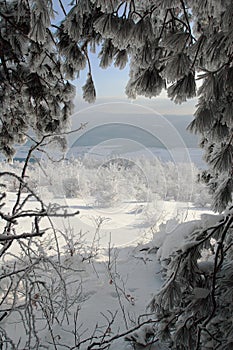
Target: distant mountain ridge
{"type": "Point", "coordinates": [110, 132]}
{"type": "Point", "coordinates": [113, 131]}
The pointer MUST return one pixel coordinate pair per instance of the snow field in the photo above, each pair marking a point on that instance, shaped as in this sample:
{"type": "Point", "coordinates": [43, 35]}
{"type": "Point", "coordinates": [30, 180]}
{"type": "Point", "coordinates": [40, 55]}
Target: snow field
{"type": "Point", "coordinates": [107, 278]}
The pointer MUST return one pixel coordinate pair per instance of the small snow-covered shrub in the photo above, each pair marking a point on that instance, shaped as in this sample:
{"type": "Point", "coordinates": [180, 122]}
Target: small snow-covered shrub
{"type": "Point", "coordinates": [110, 182]}
{"type": "Point", "coordinates": [71, 187]}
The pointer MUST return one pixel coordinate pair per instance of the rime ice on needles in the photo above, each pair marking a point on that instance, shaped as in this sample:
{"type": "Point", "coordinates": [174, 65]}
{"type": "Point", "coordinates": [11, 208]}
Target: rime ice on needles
{"type": "Point", "coordinates": [106, 5]}
{"type": "Point", "coordinates": [183, 89]}
{"type": "Point", "coordinates": [40, 20]}
{"type": "Point", "coordinates": [73, 26]}
{"type": "Point", "coordinates": [203, 119]}
{"type": "Point", "coordinates": [141, 31]}
{"type": "Point", "coordinates": [107, 25]}
{"type": "Point", "coordinates": [89, 93]}
{"type": "Point", "coordinates": [123, 35]}
{"type": "Point", "coordinates": [107, 53]}
{"type": "Point", "coordinates": [176, 41]}
{"type": "Point", "coordinates": [32, 84]}
{"type": "Point", "coordinates": [222, 159]}
{"type": "Point", "coordinates": [121, 59]}
{"type": "Point", "coordinates": [177, 66]}
{"type": "Point", "coordinates": [147, 82]}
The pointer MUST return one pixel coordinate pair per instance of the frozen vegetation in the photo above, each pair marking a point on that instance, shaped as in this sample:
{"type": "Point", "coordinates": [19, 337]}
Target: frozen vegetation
{"type": "Point", "coordinates": [108, 182]}
{"type": "Point", "coordinates": [87, 283]}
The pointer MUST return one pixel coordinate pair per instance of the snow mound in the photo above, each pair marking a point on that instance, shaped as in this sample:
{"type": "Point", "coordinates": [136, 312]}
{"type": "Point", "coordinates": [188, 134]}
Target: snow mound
{"type": "Point", "coordinates": [167, 242]}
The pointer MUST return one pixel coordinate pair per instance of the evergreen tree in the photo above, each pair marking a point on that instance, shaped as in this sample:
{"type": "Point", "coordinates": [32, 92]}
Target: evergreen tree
{"type": "Point", "coordinates": [169, 45]}
{"type": "Point", "coordinates": [33, 90]}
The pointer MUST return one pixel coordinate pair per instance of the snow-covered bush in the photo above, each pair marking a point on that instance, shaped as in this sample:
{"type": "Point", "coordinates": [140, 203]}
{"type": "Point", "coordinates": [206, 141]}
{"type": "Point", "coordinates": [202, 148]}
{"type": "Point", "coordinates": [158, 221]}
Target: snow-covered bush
{"type": "Point", "coordinates": [71, 187]}
{"type": "Point", "coordinates": [84, 179]}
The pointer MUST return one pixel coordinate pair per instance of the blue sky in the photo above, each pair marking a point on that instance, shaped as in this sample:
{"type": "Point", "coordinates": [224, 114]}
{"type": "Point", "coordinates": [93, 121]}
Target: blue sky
{"type": "Point", "coordinates": [109, 82]}
{"type": "Point", "coordinates": [110, 86]}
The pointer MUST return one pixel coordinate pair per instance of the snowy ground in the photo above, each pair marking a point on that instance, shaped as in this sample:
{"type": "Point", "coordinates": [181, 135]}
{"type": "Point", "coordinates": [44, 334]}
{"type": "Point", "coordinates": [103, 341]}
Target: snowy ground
{"type": "Point", "coordinates": [106, 277]}
{"type": "Point", "coordinates": [114, 288]}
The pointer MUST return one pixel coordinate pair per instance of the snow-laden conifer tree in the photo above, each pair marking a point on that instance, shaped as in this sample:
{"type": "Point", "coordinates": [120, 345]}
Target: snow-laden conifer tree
{"type": "Point", "coordinates": [169, 44]}
{"type": "Point", "coordinates": [34, 93]}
